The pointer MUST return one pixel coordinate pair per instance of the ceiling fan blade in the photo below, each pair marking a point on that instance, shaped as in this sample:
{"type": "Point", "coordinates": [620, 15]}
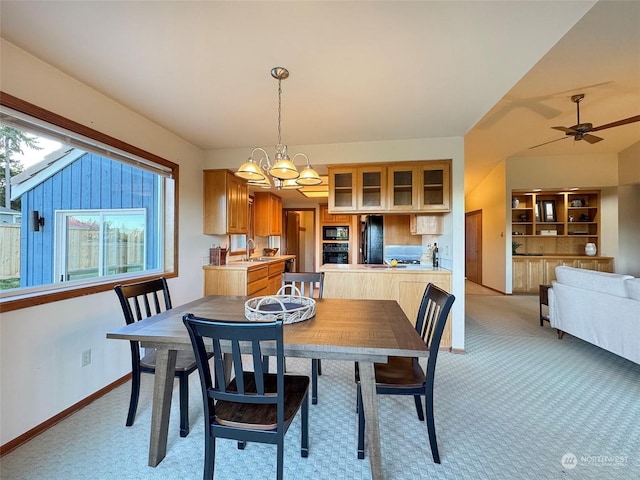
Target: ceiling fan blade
{"type": "Point", "coordinates": [617, 124]}
{"type": "Point", "coordinates": [591, 138]}
{"type": "Point", "coordinates": [564, 129]}
{"type": "Point", "coordinates": [545, 143]}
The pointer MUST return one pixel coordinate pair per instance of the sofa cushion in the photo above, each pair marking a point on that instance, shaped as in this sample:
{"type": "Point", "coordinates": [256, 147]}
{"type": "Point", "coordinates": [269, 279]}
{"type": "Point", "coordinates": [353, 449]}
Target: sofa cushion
{"type": "Point", "coordinates": [610, 283]}
{"type": "Point", "coordinates": [633, 288]}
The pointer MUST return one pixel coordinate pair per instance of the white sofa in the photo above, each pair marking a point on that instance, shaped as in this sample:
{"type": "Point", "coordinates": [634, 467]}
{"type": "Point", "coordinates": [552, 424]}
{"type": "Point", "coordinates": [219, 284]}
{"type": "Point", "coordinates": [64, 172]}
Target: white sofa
{"type": "Point", "coordinates": [600, 308]}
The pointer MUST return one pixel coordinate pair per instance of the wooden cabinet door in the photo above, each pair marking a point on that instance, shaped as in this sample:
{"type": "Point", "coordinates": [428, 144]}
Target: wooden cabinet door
{"type": "Point", "coordinates": [268, 214]}
{"type": "Point", "coordinates": [342, 189]}
{"type": "Point", "coordinates": [403, 185]}
{"type": "Point", "coordinates": [226, 203]}
{"type": "Point", "coordinates": [435, 191]}
{"type": "Point", "coordinates": [276, 216]}
{"type": "Point", "coordinates": [326, 217]}
{"type": "Point", "coordinates": [371, 189]}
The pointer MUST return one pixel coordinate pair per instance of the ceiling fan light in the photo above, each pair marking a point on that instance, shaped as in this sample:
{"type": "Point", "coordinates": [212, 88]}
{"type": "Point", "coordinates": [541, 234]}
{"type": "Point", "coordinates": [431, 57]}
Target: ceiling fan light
{"type": "Point", "coordinates": [250, 171]}
{"type": "Point", "coordinates": [309, 177]}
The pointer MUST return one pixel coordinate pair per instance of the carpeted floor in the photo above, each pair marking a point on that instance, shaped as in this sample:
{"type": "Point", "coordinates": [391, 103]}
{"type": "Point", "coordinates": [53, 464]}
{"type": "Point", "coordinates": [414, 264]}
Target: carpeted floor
{"type": "Point", "coordinates": [520, 404]}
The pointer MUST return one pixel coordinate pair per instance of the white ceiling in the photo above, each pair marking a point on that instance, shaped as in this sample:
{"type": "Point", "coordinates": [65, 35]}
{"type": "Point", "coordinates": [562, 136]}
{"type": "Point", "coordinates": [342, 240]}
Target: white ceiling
{"type": "Point", "coordinates": [498, 73]}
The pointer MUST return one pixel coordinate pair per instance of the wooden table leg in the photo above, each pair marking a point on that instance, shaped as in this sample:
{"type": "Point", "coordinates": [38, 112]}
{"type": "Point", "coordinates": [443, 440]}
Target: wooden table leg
{"type": "Point", "coordinates": [370, 403]}
{"type": "Point", "coordinates": [162, 391]}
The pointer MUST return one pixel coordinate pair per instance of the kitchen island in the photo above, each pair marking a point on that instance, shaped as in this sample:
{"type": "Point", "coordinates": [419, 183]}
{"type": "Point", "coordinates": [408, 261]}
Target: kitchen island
{"type": "Point", "coordinates": [258, 276]}
{"type": "Point", "coordinates": [403, 283]}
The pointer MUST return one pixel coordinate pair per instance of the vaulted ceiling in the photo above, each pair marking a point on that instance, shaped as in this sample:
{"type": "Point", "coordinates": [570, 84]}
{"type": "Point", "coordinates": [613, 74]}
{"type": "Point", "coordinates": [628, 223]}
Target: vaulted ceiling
{"type": "Point", "coordinates": [498, 73]}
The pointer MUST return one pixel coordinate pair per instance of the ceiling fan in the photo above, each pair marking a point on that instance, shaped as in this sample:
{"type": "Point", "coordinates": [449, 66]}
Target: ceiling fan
{"type": "Point", "coordinates": [581, 131]}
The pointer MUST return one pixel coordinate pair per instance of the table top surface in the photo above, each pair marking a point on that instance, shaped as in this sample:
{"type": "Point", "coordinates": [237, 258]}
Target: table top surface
{"type": "Point", "coordinates": [366, 330]}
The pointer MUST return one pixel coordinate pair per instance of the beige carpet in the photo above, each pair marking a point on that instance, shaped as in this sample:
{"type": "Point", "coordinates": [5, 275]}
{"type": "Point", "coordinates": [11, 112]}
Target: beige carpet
{"type": "Point", "coordinates": [472, 288]}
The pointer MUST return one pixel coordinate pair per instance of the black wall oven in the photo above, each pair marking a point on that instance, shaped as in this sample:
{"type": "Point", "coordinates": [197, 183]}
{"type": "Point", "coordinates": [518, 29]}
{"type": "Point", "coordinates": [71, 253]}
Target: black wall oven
{"type": "Point", "coordinates": [335, 233]}
{"type": "Point", "coordinates": [335, 252]}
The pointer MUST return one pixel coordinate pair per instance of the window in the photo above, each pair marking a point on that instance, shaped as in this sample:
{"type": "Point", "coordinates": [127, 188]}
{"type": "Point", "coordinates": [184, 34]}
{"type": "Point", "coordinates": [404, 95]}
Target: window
{"type": "Point", "coordinates": [99, 244]}
{"type": "Point", "coordinates": [95, 211]}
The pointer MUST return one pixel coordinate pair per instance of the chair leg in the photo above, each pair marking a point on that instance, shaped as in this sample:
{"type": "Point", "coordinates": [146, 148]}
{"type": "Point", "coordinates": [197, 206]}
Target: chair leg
{"type": "Point", "coordinates": [319, 366]}
{"type": "Point", "coordinates": [280, 457]}
{"type": "Point", "coordinates": [304, 427]}
{"type": "Point", "coordinates": [135, 395]}
{"type": "Point", "coordinates": [360, 422]}
{"type": "Point", "coordinates": [419, 407]}
{"type": "Point", "coordinates": [184, 405]}
{"type": "Point", "coordinates": [314, 381]}
{"type": "Point", "coordinates": [431, 426]}
{"type": "Point", "coordinates": [241, 445]}
{"type": "Point", "coordinates": [209, 456]}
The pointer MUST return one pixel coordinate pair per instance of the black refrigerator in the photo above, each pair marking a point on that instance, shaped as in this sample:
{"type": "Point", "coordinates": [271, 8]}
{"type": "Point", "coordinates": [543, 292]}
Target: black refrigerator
{"type": "Point", "coordinates": [373, 239]}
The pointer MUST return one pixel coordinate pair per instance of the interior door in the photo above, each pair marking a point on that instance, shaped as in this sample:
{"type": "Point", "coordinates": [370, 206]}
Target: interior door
{"type": "Point", "coordinates": [293, 238]}
{"type": "Point", "coordinates": [473, 246]}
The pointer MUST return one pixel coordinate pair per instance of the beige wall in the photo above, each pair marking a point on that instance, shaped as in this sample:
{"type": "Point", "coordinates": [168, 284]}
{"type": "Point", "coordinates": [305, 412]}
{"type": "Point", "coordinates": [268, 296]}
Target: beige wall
{"type": "Point", "coordinates": [628, 208]}
{"type": "Point", "coordinates": [489, 197]}
{"type": "Point", "coordinates": [37, 387]}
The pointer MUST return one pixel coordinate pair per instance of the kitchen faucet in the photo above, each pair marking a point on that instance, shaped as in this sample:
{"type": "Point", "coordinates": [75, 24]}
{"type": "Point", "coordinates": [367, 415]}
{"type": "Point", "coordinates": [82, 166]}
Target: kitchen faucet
{"type": "Point", "coordinates": [250, 246]}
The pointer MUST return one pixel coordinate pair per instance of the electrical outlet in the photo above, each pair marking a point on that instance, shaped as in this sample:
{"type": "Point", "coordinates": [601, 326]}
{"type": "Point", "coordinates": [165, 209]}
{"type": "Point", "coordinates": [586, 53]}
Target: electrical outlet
{"type": "Point", "coordinates": [446, 250]}
{"type": "Point", "coordinates": [86, 357]}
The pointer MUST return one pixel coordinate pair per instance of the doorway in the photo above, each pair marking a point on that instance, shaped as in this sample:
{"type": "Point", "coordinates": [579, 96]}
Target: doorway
{"type": "Point", "coordinates": [473, 246]}
{"type": "Point", "coordinates": [300, 237]}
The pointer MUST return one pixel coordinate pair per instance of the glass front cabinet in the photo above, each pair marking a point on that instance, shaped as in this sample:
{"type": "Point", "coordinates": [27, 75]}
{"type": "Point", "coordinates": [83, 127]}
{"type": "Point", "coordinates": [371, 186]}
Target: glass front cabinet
{"type": "Point", "coordinates": [402, 187]}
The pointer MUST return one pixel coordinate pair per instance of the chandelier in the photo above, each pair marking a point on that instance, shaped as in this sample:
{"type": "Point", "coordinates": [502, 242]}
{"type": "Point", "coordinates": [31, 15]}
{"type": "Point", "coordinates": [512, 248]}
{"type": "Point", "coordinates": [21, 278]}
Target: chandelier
{"type": "Point", "coordinates": [283, 172]}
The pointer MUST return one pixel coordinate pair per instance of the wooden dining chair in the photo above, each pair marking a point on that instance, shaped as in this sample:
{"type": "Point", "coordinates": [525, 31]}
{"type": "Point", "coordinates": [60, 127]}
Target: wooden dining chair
{"type": "Point", "coordinates": [404, 375]}
{"type": "Point", "coordinates": [310, 284]}
{"type": "Point", "coordinates": [138, 301]}
{"type": "Point", "coordinates": [253, 406]}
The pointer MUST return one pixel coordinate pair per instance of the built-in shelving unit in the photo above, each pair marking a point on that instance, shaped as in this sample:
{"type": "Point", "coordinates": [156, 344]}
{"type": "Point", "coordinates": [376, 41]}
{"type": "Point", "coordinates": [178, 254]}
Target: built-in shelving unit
{"type": "Point", "coordinates": [555, 223]}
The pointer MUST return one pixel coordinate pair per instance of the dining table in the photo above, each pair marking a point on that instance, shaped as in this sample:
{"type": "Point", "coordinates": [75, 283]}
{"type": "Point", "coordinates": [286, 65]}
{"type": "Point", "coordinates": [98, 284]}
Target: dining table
{"type": "Point", "coordinates": [363, 331]}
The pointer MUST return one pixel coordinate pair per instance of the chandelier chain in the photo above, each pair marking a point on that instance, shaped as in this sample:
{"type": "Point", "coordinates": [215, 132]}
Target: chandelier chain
{"type": "Point", "coordinates": [279, 108]}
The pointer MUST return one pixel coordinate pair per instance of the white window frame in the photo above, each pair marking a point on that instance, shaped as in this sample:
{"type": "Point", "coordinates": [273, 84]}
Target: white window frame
{"type": "Point", "coordinates": [60, 270]}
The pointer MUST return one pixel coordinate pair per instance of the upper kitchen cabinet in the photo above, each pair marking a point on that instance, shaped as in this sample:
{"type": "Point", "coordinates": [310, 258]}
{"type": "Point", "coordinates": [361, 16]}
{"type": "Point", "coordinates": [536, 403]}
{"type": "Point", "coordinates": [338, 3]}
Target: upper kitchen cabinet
{"type": "Point", "coordinates": [267, 214]}
{"type": "Point", "coordinates": [407, 187]}
{"type": "Point", "coordinates": [226, 203]}
{"type": "Point", "coordinates": [371, 188]}
{"type": "Point", "coordinates": [342, 189]}
{"type": "Point", "coordinates": [435, 186]}
{"type": "Point", "coordinates": [326, 217]}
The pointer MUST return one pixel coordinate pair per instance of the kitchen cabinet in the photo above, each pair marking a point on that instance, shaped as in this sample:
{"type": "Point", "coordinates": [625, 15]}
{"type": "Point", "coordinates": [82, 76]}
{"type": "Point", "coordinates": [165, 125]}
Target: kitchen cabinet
{"type": "Point", "coordinates": [371, 188]}
{"type": "Point", "coordinates": [529, 272]}
{"type": "Point", "coordinates": [226, 203]}
{"type": "Point", "coordinates": [326, 217]}
{"type": "Point", "coordinates": [342, 189]}
{"type": "Point", "coordinates": [435, 186]}
{"type": "Point", "coordinates": [245, 278]}
{"type": "Point", "coordinates": [406, 187]}
{"type": "Point", "coordinates": [402, 285]}
{"type": "Point", "coordinates": [555, 223]}
{"type": "Point", "coordinates": [267, 214]}
{"type": "Point", "coordinates": [426, 225]}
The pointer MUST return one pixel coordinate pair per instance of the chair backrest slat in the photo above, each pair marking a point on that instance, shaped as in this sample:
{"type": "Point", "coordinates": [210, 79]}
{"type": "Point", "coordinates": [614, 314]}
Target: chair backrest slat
{"type": "Point", "coordinates": [310, 284]}
{"type": "Point", "coordinates": [133, 294]}
{"type": "Point", "coordinates": [432, 317]}
{"type": "Point", "coordinates": [237, 338]}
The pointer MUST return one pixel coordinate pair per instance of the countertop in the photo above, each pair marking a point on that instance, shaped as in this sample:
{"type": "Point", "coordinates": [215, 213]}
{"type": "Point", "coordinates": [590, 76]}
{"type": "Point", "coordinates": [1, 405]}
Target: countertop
{"type": "Point", "coordinates": [244, 265]}
{"type": "Point", "coordinates": [332, 267]}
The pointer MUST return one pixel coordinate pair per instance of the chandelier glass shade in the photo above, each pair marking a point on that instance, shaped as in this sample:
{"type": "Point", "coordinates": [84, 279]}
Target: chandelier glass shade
{"type": "Point", "coordinates": [283, 171]}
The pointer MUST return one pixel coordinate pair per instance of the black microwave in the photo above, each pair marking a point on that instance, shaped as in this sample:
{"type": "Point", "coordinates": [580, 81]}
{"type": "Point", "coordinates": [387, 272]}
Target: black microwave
{"type": "Point", "coordinates": [335, 233]}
